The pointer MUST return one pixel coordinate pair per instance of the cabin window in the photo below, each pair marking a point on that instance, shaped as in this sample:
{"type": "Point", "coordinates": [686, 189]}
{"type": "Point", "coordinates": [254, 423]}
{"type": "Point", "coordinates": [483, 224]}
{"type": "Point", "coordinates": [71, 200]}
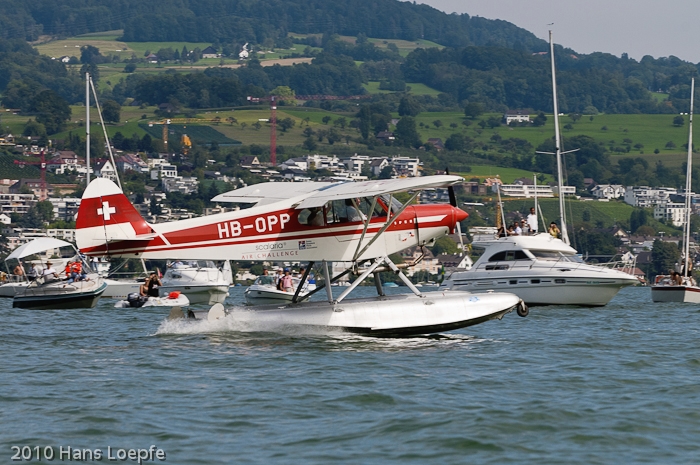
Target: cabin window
{"type": "Point", "coordinates": [534, 281]}
{"type": "Point", "coordinates": [553, 255]}
{"type": "Point", "coordinates": [513, 281]}
{"type": "Point", "coordinates": [509, 255]}
{"type": "Point", "coordinates": [311, 216]}
{"type": "Point", "coordinates": [343, 211]}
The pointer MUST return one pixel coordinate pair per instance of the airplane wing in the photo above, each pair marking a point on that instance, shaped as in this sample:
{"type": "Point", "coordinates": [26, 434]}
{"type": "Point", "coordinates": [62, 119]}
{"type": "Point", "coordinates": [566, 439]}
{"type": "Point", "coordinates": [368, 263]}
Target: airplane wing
{"type": "Point", "coordinates": [349, 190]}
{"type": "Point", "coordinates": [270, 192]}
{"type": "Point", "coordinates": [319, 193]}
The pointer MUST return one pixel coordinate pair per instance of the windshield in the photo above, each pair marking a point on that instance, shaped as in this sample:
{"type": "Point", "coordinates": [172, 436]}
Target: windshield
{"type": "Point", "coordinates": [553, 255]}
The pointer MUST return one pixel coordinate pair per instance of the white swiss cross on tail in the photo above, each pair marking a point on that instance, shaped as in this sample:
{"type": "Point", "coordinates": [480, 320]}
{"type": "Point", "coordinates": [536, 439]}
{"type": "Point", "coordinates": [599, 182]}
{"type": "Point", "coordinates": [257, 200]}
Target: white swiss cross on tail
{"type": "Point", "coordinates": [106, 211]}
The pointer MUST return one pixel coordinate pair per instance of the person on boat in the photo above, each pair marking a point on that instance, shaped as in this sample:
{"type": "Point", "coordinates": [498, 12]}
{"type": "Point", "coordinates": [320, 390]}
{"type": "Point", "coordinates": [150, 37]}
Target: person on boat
{"type": "Point", "coordinates": [49, 274]}
{"type": "Point", "coordinates": [532, 221]}
{"type": "Point", "coordinates": [287, 283]}
{"type": "Point", "coordinates": [19, 270]}
{"type": "Point", "coordinates": [524, 226]}
{"type": "Point", "coordinates": [517, 230]}
{"type": "Point", "coordinates": [511, 231]}
{"type": "Point", "coordinates": [501, 232]}
{"type": "Point", "coordinates": [278, 279]}
{"type": "Point", "coordinates": [68, 270]}
{"type": "Point", "coordinates": [35, 272]}
{"type": "Point", "coordinates": [676, 278]}
{"type": "Point", "coordinates": [554, 229]}
{"type": "Point", "coordinates": [265, 272]}
{"type": "Point", "coordinates": [153, 284]}
{"type": "Point", "coordinates": [77, 271]}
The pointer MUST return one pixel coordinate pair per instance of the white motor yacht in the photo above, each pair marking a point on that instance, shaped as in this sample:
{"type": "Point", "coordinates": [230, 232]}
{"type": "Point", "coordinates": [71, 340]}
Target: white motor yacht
{"type": "Point", "coordinates": [200, 280]}
{"type": "Point", "coordinates": [541, 270]}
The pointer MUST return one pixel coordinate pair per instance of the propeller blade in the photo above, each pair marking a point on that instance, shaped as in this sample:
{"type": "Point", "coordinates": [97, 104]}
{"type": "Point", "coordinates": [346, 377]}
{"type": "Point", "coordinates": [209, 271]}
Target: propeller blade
{"type": "Point", "coordinates": [451, 191]}
{"type": "Point", "coordinates": [461, 240]}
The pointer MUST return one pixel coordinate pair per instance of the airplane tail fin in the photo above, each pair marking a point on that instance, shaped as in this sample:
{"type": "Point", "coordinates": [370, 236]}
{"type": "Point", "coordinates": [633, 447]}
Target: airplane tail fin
{"type": "Point", "coordinates": [105, 216]}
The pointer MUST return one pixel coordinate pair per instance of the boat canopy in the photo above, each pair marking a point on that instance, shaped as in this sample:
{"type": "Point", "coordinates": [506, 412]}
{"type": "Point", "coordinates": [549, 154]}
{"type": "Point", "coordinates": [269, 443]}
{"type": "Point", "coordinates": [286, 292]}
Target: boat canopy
{"type": "Point", "coordinates": [41, 244]}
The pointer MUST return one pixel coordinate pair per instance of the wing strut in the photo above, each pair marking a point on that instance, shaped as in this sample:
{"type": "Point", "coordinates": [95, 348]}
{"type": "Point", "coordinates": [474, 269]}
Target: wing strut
{"type": "Point", "coordinates": [390, 220]}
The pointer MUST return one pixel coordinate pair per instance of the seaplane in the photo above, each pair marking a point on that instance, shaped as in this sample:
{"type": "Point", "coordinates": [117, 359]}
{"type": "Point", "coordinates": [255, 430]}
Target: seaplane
{"type": "Point", "coordinates": [361, 223]}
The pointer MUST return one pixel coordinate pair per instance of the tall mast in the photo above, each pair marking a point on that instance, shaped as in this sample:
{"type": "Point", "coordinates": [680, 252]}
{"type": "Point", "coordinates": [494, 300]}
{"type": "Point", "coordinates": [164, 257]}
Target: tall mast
{"type": "Point", "coordinates": [688, 180]}
{"type": "Point", "coordinates": [557, 142]}
{"type": "Point", "coordinates": [87, 125]}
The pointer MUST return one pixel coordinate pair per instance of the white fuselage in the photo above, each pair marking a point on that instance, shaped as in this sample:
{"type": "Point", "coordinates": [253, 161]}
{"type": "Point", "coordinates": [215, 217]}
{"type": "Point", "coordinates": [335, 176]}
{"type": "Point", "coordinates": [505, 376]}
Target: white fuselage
{"type": "Point", "coordinates": [541, 270]}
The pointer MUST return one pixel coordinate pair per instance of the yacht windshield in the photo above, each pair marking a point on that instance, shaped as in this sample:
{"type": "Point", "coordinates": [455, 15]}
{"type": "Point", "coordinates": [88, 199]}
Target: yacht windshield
{"type": "Point", "coordinates": [555, 256]}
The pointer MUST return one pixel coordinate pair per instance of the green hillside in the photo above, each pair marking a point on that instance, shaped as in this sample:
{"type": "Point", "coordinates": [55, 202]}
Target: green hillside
{"type": "Point", "coordinates": [10, 170]}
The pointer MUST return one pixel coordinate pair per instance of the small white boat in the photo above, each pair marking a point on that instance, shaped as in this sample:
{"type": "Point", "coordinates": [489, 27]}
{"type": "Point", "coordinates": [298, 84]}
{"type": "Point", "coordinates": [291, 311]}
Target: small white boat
{"type": "Point", "coordinates": [201, 280]}
{"type": "Point", "coordinates": [51, 292]}
{"type": "Point", "coordinates": [174, 299]}
{"type": "Point", "coordinates": [263, 291]}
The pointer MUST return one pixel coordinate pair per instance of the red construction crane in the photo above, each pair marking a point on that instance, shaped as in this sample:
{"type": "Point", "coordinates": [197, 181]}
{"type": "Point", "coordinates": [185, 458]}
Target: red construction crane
{"type": "Point", "coordinates": [43, 193]}
{"type": "Point", "coordinates": [273, 124]}
{"type": "Point", "coordinates": [273, 114]}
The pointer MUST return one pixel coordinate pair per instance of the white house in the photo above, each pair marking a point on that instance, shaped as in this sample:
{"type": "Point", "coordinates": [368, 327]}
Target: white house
{"type": "Point", "coordinates": [528, 190]}
{"type": "Point", "coordinates": [645, 197]}
{"type": "Point", "coordinates": [518, 116]}
{"type": "Point", "coordinates": [671, 212]}
{"type": "Point", "coordinates": [406, 166]}
{"type": "Point", "coordinates": [105, 169]}
{"type": "Point", "coordinates": [608, 191]}
{"type": "Point", "coordinates": [184, 185]}
{"type": "Point", "coordinates": [65, 208]}
{"type": "Point", "coordinates": [5, 219]}
{"type": "Point", "coordinates": [164, 171]}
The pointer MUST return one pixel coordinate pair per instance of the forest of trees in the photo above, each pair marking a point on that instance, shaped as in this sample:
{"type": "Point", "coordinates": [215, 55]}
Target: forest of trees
{"type": "Point", "coordinates": [223, 21]}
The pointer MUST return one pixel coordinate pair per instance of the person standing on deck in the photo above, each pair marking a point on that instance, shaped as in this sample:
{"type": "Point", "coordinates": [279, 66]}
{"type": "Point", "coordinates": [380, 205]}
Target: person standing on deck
{"type": "Point", "coordinates": [532, 221]}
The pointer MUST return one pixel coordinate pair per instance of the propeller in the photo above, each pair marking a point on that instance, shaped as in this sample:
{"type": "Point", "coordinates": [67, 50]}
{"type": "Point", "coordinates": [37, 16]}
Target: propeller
{"type": "Point", "coordinates": [453, 202]}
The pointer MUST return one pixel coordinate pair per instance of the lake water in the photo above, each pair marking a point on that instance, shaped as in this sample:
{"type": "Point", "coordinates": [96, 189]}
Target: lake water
{"type": "Point", "coordinates": [618, 384]}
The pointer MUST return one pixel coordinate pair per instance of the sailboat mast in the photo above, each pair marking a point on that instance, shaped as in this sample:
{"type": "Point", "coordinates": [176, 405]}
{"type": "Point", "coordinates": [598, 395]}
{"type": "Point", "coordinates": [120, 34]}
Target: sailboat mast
{"type": "Point", "coordinates": [557, 142]}
{"type": "Point", "coordinates": [688, 183]}
{"type": "Point", "coordinates": [87, 125]}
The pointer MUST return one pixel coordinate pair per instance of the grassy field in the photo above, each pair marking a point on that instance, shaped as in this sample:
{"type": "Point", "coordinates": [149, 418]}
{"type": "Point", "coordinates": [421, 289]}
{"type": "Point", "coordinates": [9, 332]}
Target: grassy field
{"type": "Point", "coordinates": [416, 88]}
{"type": "Point", "coordinates": [108, 44]}
{"type": "Point", "coordinates": [405, 46]}
{"type": "Point", "coordinates": [507, 175]}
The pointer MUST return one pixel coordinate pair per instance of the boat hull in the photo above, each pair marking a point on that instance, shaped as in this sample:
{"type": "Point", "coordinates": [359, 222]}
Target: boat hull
{"type": "Point", "coordinates": [10, 289]}
{"type": "Point", "coordinates": [206, 294]}
{"type": "Point", "coordinates": [260, 295]}
{"type": "Point", "coordinates": [581, 287]}
{"type": "Point", "coordinates": [37, 301]}
{"type": "Point", "coordinates": [118, 289]}
{"type": "Point", "coordinates": [687, 294]}
{"type": "Point", "coordinates": [396, 315]}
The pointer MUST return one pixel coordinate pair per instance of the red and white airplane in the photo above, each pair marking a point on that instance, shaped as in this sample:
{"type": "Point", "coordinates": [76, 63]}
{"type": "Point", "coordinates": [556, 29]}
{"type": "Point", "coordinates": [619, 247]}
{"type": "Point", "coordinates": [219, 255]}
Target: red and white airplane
{"type": "Point", "coordinates": [307, 222]}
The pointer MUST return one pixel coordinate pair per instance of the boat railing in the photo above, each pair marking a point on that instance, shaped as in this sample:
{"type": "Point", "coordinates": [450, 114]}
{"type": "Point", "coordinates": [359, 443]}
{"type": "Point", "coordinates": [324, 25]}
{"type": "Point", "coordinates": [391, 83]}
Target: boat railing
{"type": "Point", "coordinates": [12, 278]}
{"type": "Point", "coordinates": [560, 263]}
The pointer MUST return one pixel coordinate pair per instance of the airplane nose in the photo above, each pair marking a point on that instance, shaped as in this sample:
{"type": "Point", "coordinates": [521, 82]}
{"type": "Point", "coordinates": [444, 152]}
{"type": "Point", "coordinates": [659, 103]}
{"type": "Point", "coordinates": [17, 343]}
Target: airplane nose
{"type": "Point", "coordinates": [460, 215]}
